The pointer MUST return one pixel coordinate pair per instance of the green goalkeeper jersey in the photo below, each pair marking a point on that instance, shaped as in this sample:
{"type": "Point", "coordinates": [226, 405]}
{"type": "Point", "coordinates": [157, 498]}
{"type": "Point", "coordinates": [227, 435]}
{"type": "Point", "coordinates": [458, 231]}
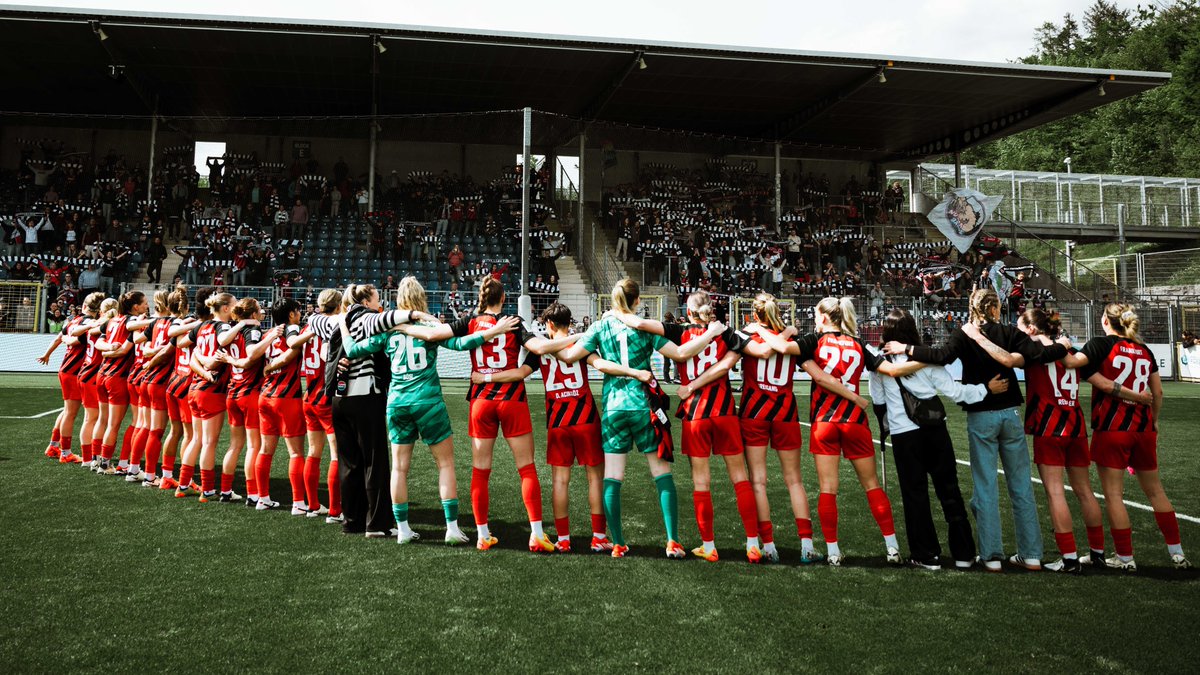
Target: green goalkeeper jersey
{"type": "Point", "coordinates": [413, 364]}
{"type": "Point", "coordinates": [614, 341]}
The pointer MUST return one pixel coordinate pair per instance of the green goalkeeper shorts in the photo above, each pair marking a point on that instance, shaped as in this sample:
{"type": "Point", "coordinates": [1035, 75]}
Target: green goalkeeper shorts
{"type": "Point", "coordinates": [428, 421]}
{"type": "Point", "coordinates": [622, 429]}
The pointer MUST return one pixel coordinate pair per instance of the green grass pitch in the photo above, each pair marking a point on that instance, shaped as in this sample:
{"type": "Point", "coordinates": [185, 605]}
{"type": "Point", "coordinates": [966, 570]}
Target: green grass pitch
{"type": "Point", "coordinates": [99, 575]}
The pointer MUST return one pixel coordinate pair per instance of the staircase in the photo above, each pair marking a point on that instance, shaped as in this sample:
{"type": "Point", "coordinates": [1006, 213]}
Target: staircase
{"type": "Point", "coordinates": [574, 290]}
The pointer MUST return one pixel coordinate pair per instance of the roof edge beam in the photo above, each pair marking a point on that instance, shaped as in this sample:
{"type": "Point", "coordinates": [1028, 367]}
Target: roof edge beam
{"type": "Point", "coordinates": [785, 128]}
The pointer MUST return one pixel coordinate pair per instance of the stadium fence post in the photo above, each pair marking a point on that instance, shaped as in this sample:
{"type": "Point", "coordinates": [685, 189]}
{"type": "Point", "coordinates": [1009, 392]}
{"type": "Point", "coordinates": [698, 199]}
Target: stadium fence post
{"type": "Point", "coordinates": [523, 303]}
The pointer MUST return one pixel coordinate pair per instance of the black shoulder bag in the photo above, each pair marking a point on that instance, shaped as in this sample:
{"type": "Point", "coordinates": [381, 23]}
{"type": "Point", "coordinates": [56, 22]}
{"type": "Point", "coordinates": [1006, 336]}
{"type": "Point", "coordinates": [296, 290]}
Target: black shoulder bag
{"type": "Point", "coordinates": [926, 412]}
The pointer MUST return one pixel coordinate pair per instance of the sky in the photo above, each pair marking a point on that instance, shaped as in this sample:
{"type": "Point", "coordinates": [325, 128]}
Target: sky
{"type": "Point", "coordinates": [969, 30]}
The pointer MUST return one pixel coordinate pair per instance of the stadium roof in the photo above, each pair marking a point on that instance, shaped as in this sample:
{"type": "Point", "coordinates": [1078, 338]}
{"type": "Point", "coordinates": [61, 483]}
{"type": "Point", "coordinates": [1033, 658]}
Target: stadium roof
{"type": "Point", "coordinates": [284, 76]}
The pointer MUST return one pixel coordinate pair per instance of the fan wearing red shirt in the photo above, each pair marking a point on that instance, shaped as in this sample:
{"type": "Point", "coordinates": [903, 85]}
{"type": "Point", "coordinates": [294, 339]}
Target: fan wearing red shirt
{"type": "Point", "coordinates": [116, 348]}
{"type": "Point", "coordinates": [242, 344]}
{"type": "Point", "coordinates": [1124, 433]}
{"type": "Point", "coordinates": [572, 426]}
{"type": "Point", "coordinates": [72, 393]}
{"type": "Point", "coordinates": [839, 423]}
{"type": "Point", "coordinates": [318, 418]}
{"type": "Point", "coordinates": [502, 406]}
{"type": "Point", "coordinates": [210, 381]}
{"type": "Point", "coordinates": [281, 410]}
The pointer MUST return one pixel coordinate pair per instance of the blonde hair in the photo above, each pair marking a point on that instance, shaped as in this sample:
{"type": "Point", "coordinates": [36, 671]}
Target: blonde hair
{"type": "Point", "coordinates": [93, 302]}
{"type": "Point", "coordinates": [218, 300]}
{"type": "Point", "coordinates": [984, 305]}
{"type": "Point", "coordinates": [108, 308]}
{"type": "Point", "coordinates": [766, 311]}
{"type": "Point", "coordinates": [410, 295]}
{"type": "Point", "coordinates": [841, 312]}
{"type": "Point", "coordinates": [1124, 320]}
{"type": "Point", "coordinates": [246, 308]}
{"type": "Point", "coordinates": [357, 294]}
{"type": "Point", "coordinates": [177, 301]}
{"type": "Point", "coordinates": [491, 292]}
{"type": "Point", "coordinates": [328, 300]}
{"type": "Point", "coordinates": [699, 304]}
{"type": "Point", "coordinates": [625, 295]}
{"type": "Point", "coordinates": [160, 301]}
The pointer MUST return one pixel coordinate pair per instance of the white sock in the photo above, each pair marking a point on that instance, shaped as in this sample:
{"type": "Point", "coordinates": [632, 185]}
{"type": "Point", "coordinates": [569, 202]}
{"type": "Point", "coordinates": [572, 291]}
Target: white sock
{"type": "Point", "coordinates": [483, 531]}
{"type": "Point", "coordinates": [167, 473]}
{"type": "Point", "coordinates": [536, 526]}
{"type": "Point", "coordinates": [122, 464]}
{"type": "Point", "coordinates": [564, 537]}
{"type": "Point", "coordinates": [1071, 556]}
{"type": "Point", "coordinates": [833, 548]}
{"type": "Point", "coordinates": [1175, 549]}
{"type": "Point", "coordinates": [135, 468]}
{"type": "Point", "coordinates": [405, 530]}
{"type": "Point", "coordinates": [769, 548]}
{"type": "Point", "coordinates": [452, 525]}
{"type": "Point", "coordinates": [709, 546]}
{"type": "Point", "coordinates": [806, 545]}
{"type": "Point", "coordinates": [252, 497]}
{"type": "Point", "coordinates": [57, 444]}
{"type": "Point", "coordinates": [300, 505]}
{"type": "Point", "coordinates": [890, 541]}
{"type": "Point", "coordinates": [751, 542]}
{"type": "Point", "coordinates": [1124, 558]}
{"type": "Point", "coordinates": [600, 535]}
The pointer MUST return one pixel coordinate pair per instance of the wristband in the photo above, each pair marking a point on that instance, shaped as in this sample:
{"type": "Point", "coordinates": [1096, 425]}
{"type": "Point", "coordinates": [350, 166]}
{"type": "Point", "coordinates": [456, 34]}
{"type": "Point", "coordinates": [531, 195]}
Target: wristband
{"type": "Point", "coordinates": [908, 350]}
{"type": "Point", "coordinates": [1116, 390]}
{"type": "Point", "coordinates": [487, 378]}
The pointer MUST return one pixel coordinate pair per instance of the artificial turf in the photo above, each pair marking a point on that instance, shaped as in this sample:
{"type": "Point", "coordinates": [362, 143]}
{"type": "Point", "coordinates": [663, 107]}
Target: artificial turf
{"type": "Point", "coordinates": [103, 575]}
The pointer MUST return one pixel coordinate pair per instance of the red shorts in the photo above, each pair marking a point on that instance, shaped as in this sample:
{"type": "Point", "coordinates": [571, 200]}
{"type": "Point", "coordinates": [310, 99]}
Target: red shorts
{"type": "Point", "coordinates": [780, 435]}
{"type": "Point", "coordinates": [281, 417]}
{"type": "Point", "coordinates": [91, 398]}
{"type": "Point", "coordinates": [581, 442]}
{"type": "Point", "coordinates": [135, 394]}
{"type": "Point", "coordinates": [489, 417]}
{"type": "Point", "coordinates": [178, 409]}
{"type": "Point", "coordinates": [840, 438]}
{"type": "Point", "coordinates": [318, 418]}
{"type": "Point", "coordinates": [71, 390]}
{"type": "Point", "coordinates": [1120, 449]}
{"type": "Point", "coordinates": [113, 390]}
{"type": "Point", "coordinates": [1059, 451]}
{"type": "Point", "coordinates": [154, 396]}
{"type": "Point", "coordinates": [243, 411]}
{"type": "Point", "coordinates": [715, 435]}
{"type": "Point", "coordinates": [206, 405]}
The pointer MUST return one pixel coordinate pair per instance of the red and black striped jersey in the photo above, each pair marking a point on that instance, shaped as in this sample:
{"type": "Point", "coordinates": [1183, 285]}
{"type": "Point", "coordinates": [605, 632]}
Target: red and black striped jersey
{"type": "Point", "coordinates": [502, 353]}
{"type": "Point", "coordinates": [312, 369]}
{"type": "Point", "coordinates": [157, 338]}
{"type": "Point", "coordinates": [137, 374]}
{"type": "Point", "coordinates": [91, 359]}
{"type": "Point", "coordinates": [204, 343]}
{"type": "Point", "coordinates": [1052, 401]}
{"type": "Point", "coordinates": [181, 376]}
{"type": "Point", "coordinates": [767, 386]}
{"type": "Point", "coordinates": [568, 395]}
{"type": "Point", "coordinates": [116, 333]}
{"type": "Point", "coordinates": [1130, 365]}
{"type": "Point", "coordinates": [75, 354]}
{"type": "Point", "coordinates": [245, 381]}
{"type": "Point", "coordinates": [716, 398]}
{"type": "Point", "coordinates": [285, 382]}
{"type": "Point", "coordinates": [843, 357]}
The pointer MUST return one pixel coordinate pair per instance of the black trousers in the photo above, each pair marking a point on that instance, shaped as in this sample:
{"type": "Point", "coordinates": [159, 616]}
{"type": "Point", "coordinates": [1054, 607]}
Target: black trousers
{"type": "Point", "coordinates": [359, 424]}
{"type": "Point", "coordinates": [923, 454]}
{"type": "Point", "coordinates": [154, 271]}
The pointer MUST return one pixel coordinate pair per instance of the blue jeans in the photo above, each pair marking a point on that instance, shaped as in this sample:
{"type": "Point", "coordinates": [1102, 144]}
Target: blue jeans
{"type": "Point", "coordinates": [1000, 434]}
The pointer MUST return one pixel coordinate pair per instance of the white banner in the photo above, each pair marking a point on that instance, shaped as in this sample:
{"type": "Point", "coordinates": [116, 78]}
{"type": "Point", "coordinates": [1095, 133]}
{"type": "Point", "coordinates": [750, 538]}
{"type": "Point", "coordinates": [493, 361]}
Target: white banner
{"type": "Point", "coordinates": [1189, 363]}
{"type": "Point", "coordinates": [1166, 361]}
{"type": "Point", "coordinates": [19, 352]}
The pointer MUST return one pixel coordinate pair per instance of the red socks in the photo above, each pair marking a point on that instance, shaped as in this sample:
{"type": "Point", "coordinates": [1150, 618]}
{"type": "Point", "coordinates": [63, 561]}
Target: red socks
{"type": "Point", "coordinates": [704, 513]}
{"type": "Point", "coordinates": [226, 482]}
{"type": "Point", "coordinates": [1168, 524]}
{"type": "Point", "coordinates": [262, 474]}
{"type": "Point", "coordinates": [1065, 541]}
{"type": "Point", "coordinates": [106, 451]}
{"type": "Point", "coordinates": [766, 532]}
{"type": "Point", "coordinates": [86, 448]}
{"type": "Point", "coordinates": [479, 494]}
{"type": "Point", "coordinates": [747, 509]}
{"type": "Point", "coordinates": [98, 448]}
{"type": "Point", "coordinates": [531, 492]}
{"type": "Point", "coordinates": [66, 444]}
{"type": "Point", "coordinates": [312, 481]}
{"type": "Point", "coordinates": [296, 477]}
{"type": "Point", "coordinates": [153, 449]}
{"type": "Point", "coordinates": [599, 524]}
{"type": "Point", "coordinates": [1123, 541]}
{"type": "Point", "coordinates": [185, 475]}
{"type": "Point", "coordinates": [55, 435]}
{"type": "Point", "coordinates": [335, 489]}
{"type": "Point", "coordinates": [1095, 535]}
{"type": "Point", "coordinates": [208, 480]}
{"type": "Point", "coordinates": [804, 528]}
{"type": "Point", "coordinates": [562, 527]}
{"type": "Point", "coordinates": [138, 445]}
{"type": "Point", "coordinates": [828, 513]}
{"type": "Point", "coordinates": [127, 443]}
{"type": "Point", "coordinates": [881, 508]}
{"type": "Point", "coordinates": [251, 478]}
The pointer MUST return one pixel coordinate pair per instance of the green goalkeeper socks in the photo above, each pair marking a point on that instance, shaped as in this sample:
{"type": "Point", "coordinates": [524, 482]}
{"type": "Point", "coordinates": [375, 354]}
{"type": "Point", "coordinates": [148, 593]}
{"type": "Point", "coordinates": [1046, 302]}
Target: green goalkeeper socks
{"type": "Point", "coordinates": [400, 511]}
{"type": "Point", "coordinates": [612, 509]}
{"type": "Point", "coordinates": [668, 500]}
{"type": "Point", "coordinates": [450, 508]}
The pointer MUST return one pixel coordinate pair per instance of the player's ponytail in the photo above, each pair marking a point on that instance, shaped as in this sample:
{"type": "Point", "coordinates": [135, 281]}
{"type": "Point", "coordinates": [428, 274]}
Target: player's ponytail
{"type": "Point", "coordinates": [491, 293]}
{"type": "Point", "coordinates": [108, 308]}
{"type": "Point", "coordinates": [841, 314]}
{"type": "Point", "coordinates": [245, 308]}
{"type": "Point", "coordinates": [410, 295]}
{"type": "Point", "coordinates": [357, 294]}
{"type": "Point", "coordinates": [160, 302]}
{"type": "Point", "coordinates": [699, 305]}
{"type": "Point", "coordinates": [1046, 323]}
{"type": "Point", "coordinates": [202, 295]}
{"type": "Point", "coordinates": [177, 301]}
{"type": "Point", "coordinates": [217, 301]}
{"type": "Point", "coordinates": [329, 300]}
{"type": "Point", "coordinates": [92, 303]}
{"type": "Point", "coordinates": [766, 311]}
{"type": "Point", "coordinates": [1124, 321]}
{"type": "Point", "coordinates": [130, 300]}
{"type": "Point", "coordinates": [985, 305]}
{"type": "Point", "coordinates": [625, 295]}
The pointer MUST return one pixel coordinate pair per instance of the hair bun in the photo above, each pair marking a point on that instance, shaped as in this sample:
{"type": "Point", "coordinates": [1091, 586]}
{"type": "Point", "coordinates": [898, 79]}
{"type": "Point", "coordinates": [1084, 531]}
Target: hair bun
{"type": "Point", "coordinates": [1128, 315]}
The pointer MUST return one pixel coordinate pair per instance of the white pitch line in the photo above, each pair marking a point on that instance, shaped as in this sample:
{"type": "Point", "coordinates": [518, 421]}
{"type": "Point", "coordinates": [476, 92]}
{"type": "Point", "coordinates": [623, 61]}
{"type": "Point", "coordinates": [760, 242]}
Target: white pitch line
{"type": "Point", "coordinates": [31, 417]}
{"type": "Point", "coordinates": [1136, 505]}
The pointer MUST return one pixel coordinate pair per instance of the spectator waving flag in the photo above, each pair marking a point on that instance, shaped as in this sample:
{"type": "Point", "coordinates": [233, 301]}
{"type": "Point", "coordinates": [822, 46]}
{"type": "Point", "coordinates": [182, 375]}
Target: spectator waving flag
{"type": "Point", "coordinates": [962, 215]}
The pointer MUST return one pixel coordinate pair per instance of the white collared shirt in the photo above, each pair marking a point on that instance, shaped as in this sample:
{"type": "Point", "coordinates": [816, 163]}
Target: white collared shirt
{"type": "Point", "coordinates": [924, 384]}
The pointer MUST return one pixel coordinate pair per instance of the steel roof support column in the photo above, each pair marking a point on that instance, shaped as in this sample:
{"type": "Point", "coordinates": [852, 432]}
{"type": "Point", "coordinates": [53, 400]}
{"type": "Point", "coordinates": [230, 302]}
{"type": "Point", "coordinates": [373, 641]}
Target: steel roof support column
{"type": "Point", "coordinates": [525, 303]}
{"type": "Point", "coordinates": [579, 219]}
{"type": "Point", "coordinates": [957, 167]}
{"type": "Point", "coordinates": [1145, 216]}
{"type": "Point", "coordinates": [778, 190]}
{"type": "Point", "coordinates": [153, 142]}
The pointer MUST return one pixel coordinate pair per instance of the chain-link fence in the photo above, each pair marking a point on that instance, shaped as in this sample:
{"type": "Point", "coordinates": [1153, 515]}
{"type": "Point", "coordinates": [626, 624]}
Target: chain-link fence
{"type": "Point", "coordinates": [22, 307]}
